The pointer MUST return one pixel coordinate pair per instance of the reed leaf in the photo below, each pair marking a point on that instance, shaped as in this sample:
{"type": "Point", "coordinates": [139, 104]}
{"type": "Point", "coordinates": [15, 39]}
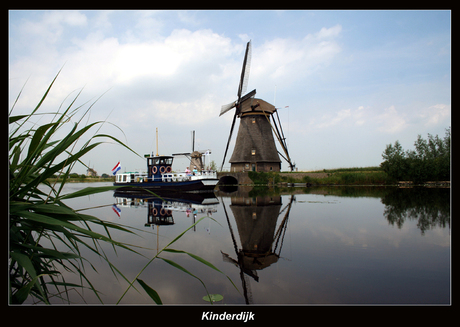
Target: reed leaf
{"type": "Point", "coordinates": [36, 154]}
{"type": "Point", "coordinates": [176, 265]}
{"type": "Point", "coordinates": [36, 216]}
{"type": "Point", "coordinates": [203, 261]}
{"type": "Point", "coordinates": [150, 291]}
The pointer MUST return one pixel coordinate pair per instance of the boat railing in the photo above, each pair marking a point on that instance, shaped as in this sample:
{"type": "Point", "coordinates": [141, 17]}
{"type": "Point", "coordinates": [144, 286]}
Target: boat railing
{"type": "Point", "coordinates": [182, 176]}
{"type": "Point", "coordinates": [174, 177]}
{"type": "Point", "coordinates": [165, 177]}
{"type": "Point", "coordinates": [205, 174]}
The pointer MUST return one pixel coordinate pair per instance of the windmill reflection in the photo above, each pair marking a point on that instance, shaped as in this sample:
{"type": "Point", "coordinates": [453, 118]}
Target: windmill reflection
{"type": "Point", "coordinates": [261, 242]}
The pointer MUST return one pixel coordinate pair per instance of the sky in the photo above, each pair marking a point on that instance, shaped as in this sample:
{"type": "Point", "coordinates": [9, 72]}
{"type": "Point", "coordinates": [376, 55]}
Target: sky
{"type": "Point", "coordinates": [346, 83]}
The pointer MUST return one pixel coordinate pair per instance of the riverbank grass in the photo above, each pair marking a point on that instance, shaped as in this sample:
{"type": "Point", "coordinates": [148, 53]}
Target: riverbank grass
{"type": "Point", "coordinates": [340, 176]}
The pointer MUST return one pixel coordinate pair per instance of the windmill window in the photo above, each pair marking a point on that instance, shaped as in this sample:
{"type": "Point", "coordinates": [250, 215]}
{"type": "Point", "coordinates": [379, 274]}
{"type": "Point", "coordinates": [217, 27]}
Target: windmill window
{"type": "Point", "coordinates": [253, 152]}
{"type": "Point", "coordinates": [253, 120]}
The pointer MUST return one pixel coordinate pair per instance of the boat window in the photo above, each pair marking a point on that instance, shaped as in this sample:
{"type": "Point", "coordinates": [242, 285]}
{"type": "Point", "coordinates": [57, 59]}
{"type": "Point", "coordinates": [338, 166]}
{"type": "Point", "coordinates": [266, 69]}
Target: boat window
{"type": "Point", "coordinates": [161, 161]}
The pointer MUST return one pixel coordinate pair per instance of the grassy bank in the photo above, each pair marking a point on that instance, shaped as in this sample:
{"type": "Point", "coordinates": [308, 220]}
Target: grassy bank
{"type": "Point", "coordinates": [82, 179]}
{"type": "Point", "coordinates": [341, 176]}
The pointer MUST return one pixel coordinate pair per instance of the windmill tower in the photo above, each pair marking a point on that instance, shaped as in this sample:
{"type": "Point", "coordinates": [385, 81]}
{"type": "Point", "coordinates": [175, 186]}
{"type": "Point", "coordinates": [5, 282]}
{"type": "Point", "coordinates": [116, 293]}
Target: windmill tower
{"type": "Point", "coordinates": [255, 147]}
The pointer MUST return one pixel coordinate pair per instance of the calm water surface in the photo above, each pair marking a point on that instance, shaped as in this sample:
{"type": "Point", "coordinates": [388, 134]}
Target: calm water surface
{"type": "Point", "coordinates": [350, 245]}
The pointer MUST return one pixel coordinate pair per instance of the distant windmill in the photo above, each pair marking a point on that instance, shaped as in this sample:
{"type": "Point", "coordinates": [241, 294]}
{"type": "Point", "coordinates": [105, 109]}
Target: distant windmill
{"type": "Point", "coordinates": [255, 147]}
{"type": "Point", "coordinates": [196, 156]}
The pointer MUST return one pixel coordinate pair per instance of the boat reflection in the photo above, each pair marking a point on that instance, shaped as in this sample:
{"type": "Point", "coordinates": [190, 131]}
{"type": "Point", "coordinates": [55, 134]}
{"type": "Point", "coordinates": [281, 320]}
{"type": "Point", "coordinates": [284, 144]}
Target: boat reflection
{"type": "Point", "coordinates": [160, 208]}
{"type": "Point", "coordinates": [261, 240]}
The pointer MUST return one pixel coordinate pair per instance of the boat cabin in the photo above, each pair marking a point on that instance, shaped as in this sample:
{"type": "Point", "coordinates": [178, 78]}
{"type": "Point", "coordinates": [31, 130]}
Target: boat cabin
{"type": "Point", "coordinates": [159, 169]}
{"type": "Point", "coordinates": [158, 165]}
{"type": "Point", "coordinates": [131, 177]}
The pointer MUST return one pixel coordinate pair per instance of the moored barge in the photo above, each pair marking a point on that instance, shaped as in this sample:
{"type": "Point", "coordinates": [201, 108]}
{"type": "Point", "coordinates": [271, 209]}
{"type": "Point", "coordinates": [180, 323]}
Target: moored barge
{"type": "Point", "coordinates": [160, 176]}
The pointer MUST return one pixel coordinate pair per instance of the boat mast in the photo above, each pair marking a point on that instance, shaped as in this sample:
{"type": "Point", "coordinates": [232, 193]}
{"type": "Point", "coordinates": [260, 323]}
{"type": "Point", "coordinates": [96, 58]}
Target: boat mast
{"type": "Point", "coordinates": [157, 142]}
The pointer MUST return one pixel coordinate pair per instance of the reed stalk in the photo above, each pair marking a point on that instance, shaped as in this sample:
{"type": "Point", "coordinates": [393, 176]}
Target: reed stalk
{"type": "Point", "coordinates": [46, 236]}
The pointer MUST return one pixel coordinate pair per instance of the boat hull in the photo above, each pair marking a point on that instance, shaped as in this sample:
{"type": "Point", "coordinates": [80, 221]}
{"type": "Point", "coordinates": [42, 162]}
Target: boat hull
{"type": "Point", "coordinates": [202, 185]}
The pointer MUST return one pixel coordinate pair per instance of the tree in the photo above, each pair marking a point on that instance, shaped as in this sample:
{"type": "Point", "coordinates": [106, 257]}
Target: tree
{"type": "Point", "coordinates": [394, 164]}
{"type": "Point", "coordinates": [430, 161]}
{"type": "Point", "coordinates": [213, 165]}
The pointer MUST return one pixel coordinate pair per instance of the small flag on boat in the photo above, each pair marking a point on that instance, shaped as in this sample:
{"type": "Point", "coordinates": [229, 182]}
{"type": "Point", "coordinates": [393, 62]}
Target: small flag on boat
{"type": "Point", "coordinates": [116, 210]}
{"type": "Point", "coordinates": [116, 168]}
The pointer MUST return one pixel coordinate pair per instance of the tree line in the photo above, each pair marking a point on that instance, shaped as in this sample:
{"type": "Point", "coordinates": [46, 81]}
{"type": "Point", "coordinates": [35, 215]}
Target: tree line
{"type": "Point", "coordinates": [430, 161]}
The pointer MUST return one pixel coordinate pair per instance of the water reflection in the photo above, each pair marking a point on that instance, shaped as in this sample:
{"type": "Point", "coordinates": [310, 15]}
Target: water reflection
{"type": "Point", "coordinates": [341, 245]}
{"type": "Point", "coordinates": [160, 208]}
{"type": "Point", "coordinates": [256, 219]}
{"type": "Point", "coordinates": [430, 207]}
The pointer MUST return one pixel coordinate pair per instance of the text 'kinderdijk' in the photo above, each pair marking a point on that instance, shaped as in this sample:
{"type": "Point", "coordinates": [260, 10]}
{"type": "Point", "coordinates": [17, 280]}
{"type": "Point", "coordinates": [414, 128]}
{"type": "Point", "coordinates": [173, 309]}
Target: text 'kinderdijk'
{"type": "Point", "coordinates": [243, 316]}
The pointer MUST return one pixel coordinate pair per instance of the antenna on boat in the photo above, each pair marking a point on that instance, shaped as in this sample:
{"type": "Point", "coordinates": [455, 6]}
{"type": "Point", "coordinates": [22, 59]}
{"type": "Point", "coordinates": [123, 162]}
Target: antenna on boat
{"type": "Point", "coordinates": [157, 142]}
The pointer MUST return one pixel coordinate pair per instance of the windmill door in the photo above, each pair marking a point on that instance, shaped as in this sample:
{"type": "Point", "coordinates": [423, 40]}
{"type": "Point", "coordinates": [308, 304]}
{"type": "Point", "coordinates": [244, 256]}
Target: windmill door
{"type": "Point", "coordinates": [253, 167]}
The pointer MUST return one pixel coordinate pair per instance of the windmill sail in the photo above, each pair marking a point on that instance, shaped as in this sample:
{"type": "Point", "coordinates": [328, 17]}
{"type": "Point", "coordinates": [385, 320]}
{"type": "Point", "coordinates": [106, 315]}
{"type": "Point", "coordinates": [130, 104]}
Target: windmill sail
{"type": "Point", "coordinates": [245, 71]}
{"type": "Point", "coordinates": [241, 89]}
{"type": "Point", "coordinates": [243, 81]}
{"type": "Point", "coordinates": [227, 107]}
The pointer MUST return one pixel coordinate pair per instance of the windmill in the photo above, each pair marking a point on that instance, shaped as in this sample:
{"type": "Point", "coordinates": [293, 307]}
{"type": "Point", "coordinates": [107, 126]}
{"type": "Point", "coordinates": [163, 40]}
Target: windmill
{"type": "Point", "coordinates": [196, 156]}
{"type": "Point", "coordinates": [255, 147]}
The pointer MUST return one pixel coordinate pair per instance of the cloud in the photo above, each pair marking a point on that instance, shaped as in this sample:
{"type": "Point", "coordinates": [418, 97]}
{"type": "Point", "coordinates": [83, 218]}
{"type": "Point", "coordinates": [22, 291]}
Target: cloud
{"type": "Point", "coordinates": [185, 73]}
{"type": "Point", "coordinates": [435, 115]}
{"type": "Point", "coordinates": [180, 68]}
{"type": "Point", "coordinates": [344, 117]}
{"type": "Point", "coordinates": [331, 120]}
{"type": "Point", "coordinates": [176, 113]}
{"type": "Point", "coordinates": [359, 116]}
{"type": "Point", "coordinates": [391, 121]}
{"type": "Point", "coordinates": [51, 26]}
{"type": "Point", "coordinates": [285, 61]}
{"type": "Point", "coordinates": [329, 32]}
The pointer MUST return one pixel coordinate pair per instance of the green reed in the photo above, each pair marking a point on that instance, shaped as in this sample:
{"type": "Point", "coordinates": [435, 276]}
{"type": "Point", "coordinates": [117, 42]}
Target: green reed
{"type": "Point", "coordinates": [46, 236]}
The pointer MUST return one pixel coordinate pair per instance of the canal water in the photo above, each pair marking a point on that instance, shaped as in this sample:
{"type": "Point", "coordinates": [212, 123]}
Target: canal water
{"type": "Point", "coordinates": [330, 245]}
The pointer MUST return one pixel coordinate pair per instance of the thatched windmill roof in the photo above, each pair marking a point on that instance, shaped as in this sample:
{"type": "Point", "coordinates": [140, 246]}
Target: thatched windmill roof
{"type": "Point", "coordinates": [255, 142]}
{"type": "Point", "coordinates": [256, 106]}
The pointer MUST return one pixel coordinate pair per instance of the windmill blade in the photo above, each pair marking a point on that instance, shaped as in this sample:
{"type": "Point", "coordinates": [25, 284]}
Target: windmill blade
{"type": "Point", "coordinates": [227, 107]}
{"type": "Point", "coordinates": [228, 142]}
{"type": "Point", "coordinates": [247, 96]}
{"type": "Point", "coordinates": [245, 70]}
{"type": "Point", "coordinates": [241, 89]}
